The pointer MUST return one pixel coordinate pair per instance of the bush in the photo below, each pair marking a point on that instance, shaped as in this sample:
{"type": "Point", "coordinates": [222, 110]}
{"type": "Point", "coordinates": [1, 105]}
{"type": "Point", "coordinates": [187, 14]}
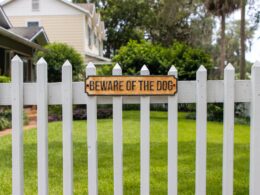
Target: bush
{"type": "Point", "coordinates": [5, 79]}
{"type": "Point", "coordinates": [105, 70]}
{"type": "Point", "coordinates": [79, 112]}
{"type": "Point", "coordinates": [55, 113]}
{"type": "Point", "coordinates": [4, 123]}
{"type": "Point", "coordinates": [159, 59]}
{"type": "Point", "coordinates": [56, 55]}
{"type": "Point", "coordinates": [215, 112]}
{"type": "Point", "coordinates": [6, 118]}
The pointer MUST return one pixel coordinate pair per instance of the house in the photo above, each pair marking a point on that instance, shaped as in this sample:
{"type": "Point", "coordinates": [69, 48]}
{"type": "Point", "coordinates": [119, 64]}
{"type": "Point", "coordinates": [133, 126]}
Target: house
{"type": "Point", "coordinates": [23, 41]}
{"type": "Point", "coordinates": [78, 25]}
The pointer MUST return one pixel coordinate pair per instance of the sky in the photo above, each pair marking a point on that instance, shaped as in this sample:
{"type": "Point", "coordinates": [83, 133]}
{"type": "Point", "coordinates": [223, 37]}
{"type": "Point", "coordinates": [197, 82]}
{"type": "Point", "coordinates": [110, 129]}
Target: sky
{"type": "Point", "coordinates": [254, 54]}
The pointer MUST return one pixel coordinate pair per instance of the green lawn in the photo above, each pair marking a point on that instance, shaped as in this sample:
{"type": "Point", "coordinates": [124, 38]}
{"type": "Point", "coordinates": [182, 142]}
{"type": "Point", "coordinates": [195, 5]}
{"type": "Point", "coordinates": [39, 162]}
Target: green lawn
{"type": "Point", "coordinates": [186, 161]}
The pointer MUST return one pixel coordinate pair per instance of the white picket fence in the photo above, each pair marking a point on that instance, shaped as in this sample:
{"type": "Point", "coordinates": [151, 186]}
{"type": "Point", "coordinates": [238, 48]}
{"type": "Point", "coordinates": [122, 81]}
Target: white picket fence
{"type": "Point", "coordinates": [68, 93]}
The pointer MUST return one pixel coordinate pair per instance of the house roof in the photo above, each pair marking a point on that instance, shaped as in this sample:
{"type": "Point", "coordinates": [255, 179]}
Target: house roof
{"type": "Point", "coordinates": [87, 6]}
{"type": "Point", "coordinates": [29, 33]}
{"type": "Point", "coordinates": [33, 37]}
{"type": "Point", "coordinates": [99, 59]}
{"type": "Point", "coordinates": [4, 21]}
{"type": "Point", "coordinates": [6, 33]}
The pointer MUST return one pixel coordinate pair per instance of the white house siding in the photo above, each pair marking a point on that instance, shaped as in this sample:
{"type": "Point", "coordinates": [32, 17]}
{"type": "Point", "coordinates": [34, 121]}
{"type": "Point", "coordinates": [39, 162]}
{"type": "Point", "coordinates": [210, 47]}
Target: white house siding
{"type": "Point", "coordinates": [94, 49]}
{"type": "Point", "coordinates": [66, 28]}
{"type": "Point", "coordinates": [47, 7]}
{"type": "Point", "coordinates": [61, 22]}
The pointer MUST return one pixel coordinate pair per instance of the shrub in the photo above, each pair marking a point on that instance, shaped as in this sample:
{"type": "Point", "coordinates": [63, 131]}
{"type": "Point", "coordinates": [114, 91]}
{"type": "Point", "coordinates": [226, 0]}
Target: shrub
{"type": "Point", "coordinates": [4, 123]}
{"type": "Point", "coordinates": [56, 55]}
{"type": "Point", "coordinates": [5, 79]}
{"type": "Point", "coordinates": [105, 70]}
{"type": "Point", "coordinates": [159, 59]}
{"type": "Point", "coordinates": [6, 118]}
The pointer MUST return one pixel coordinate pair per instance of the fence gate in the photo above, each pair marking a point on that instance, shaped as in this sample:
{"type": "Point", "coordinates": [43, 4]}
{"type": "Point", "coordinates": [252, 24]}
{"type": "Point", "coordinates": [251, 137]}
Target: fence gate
{"type": "Point", "coordinates": [68, 93]}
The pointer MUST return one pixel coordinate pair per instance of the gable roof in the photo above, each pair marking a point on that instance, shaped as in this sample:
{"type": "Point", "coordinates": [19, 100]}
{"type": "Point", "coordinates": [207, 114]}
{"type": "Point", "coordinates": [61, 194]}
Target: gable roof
{"type": "Point", "coordinates": [4, 21]}
{"type": "Point", "coordinates": [6, 33]}
{"type": "Point", "coordinates": [87, 6]}
{"type": "Point", "coordinates": [26, 32]}
{"type": "Point", "coordinates": [33, 34]}
{"type": "Point", "coordinates": [88, 9]}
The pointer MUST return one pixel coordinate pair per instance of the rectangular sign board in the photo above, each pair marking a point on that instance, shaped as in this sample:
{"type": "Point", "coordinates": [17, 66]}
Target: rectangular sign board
{"type": "Point", "coordinates": [131, 85]}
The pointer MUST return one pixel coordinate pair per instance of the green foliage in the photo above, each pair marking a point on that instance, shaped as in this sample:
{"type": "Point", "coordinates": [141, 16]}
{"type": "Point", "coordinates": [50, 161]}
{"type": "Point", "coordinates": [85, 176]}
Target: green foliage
{"type": "Point", "coordinates": [222, 7]}
{"type": "Point", "coordinates": [215, 112]}
{"type": "Point", "coordinates": [6, 118]}
{"type": "Point", "coordinates": [161, 22]}
{"type": "Point", "coordinates": [131, 144]}
{"type": "Point", "coordinates": [4, 123]}
{"type": "Point", "coordinates": [159, 59]}
{"type": "Point", "coordinates": [233, 51]}
{"type": "Point", "coordinates": [105, 70]}
{"type": "Point", "coordinates": [5, 79]}
{"type": "Point", "coordinates": [56, 55]}
{"type": "Point", "coordinates": [124, 20]}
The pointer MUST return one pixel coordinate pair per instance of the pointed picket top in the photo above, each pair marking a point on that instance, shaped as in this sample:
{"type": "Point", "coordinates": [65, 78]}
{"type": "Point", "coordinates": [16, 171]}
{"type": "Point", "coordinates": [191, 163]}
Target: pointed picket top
{"type": "Point", "coordinates": [117, 67]}
{"type": "Point", "coordinates": [91, 65]}
{"type": "Point", "coordinates": [117, 70]}
{"type": "Point", "coordinates": [41, 61]}
{"type": "Point", "coordinates": [172, 71]}
{"type": "Point", "coordinates": [91, 69]}
{"type": "Point", "coordinates": [145, 70]}
{"type": "Point", "coordinates": [229, 67]}
{"type": "Point", "coordinates": [67, 63]}
{"type": "Point", "coordinates": [202, 69]}
{"type": "Point", "coordinates": [16, 58]}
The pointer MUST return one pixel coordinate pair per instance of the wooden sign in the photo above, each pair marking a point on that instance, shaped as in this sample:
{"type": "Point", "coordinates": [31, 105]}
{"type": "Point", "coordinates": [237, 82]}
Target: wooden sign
{"type": "Point", "coordinates": [131, 85]}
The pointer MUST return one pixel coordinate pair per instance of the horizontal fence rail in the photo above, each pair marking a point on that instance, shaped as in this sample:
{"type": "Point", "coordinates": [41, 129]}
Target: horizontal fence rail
{"type": "Point", "coordinates": [68, 93]}
{"type": "Point", "coordinates": [186, 93]}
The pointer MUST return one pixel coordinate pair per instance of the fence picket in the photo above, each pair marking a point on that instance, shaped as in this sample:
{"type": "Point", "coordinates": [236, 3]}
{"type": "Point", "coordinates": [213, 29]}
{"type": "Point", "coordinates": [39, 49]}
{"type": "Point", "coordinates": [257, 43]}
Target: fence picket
{"type": "Point", "coordinates": [17, 126]}
{"type": "Point", "coordinates": [255, 132]}
{"type": "Point", "coordinates": [228, 134]}
{"type": "Point", "coordinates": [117, 139]}
{"type": "Point", "coordinates": [42, 126]}
{"type": "Point", "coordinates": [145, 140]}
{"type": "Point", "coordinates": [67, 118]}
{"type": "Point", "coordinates": [201, 131]}
{"type": "Point", "coordinates": [92, 137]}
{"type": "Point", "coordinates": [173, 140]}
{"type": "Point", "coordinates": [16, 94]}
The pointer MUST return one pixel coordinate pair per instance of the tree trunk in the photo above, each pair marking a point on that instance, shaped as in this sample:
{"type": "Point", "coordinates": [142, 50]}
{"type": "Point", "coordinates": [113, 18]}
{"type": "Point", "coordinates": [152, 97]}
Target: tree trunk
{"type": "Point", "coordinates": [223, 44]}
{"type": "Point", "coordinates": [242, 41]}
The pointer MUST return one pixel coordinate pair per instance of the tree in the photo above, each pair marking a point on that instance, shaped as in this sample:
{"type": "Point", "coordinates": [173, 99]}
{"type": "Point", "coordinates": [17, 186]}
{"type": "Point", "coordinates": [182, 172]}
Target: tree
{"type": "Point", "coordinates": [233, 50]}
{"type": "Point", "coordinates": [222, 8]}
{"type": "Point", "coordinates": [56, 55]}
{"type": "Point", "coordinates": [124, 21]}
{"type": "Point", "coordinates": [159, 59]}
{"type": "Point", "coordinates": [242, 40]}
{"type": "Point", "coordinates": [162, 22]}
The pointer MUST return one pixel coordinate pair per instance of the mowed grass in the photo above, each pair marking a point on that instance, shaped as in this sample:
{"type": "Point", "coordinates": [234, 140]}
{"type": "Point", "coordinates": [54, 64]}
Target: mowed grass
{"type": "Point", "coordinates": [158, 153]}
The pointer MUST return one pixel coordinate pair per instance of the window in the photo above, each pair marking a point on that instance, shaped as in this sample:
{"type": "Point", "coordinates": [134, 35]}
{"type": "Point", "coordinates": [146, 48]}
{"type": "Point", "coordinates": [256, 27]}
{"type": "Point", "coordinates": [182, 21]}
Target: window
{"type": "Point", "coordinates": [97, 44]}
{"type": "Point", "coordinates": [89, 37]}
{"type": "Point", "coordinates": [95, 40]}
{"type": "Point", "coordinates": [35, 5]}
{"type": "Point", "coordinates": [101, 48]}
{"type": "Point", "coordinates": [32, 23]}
